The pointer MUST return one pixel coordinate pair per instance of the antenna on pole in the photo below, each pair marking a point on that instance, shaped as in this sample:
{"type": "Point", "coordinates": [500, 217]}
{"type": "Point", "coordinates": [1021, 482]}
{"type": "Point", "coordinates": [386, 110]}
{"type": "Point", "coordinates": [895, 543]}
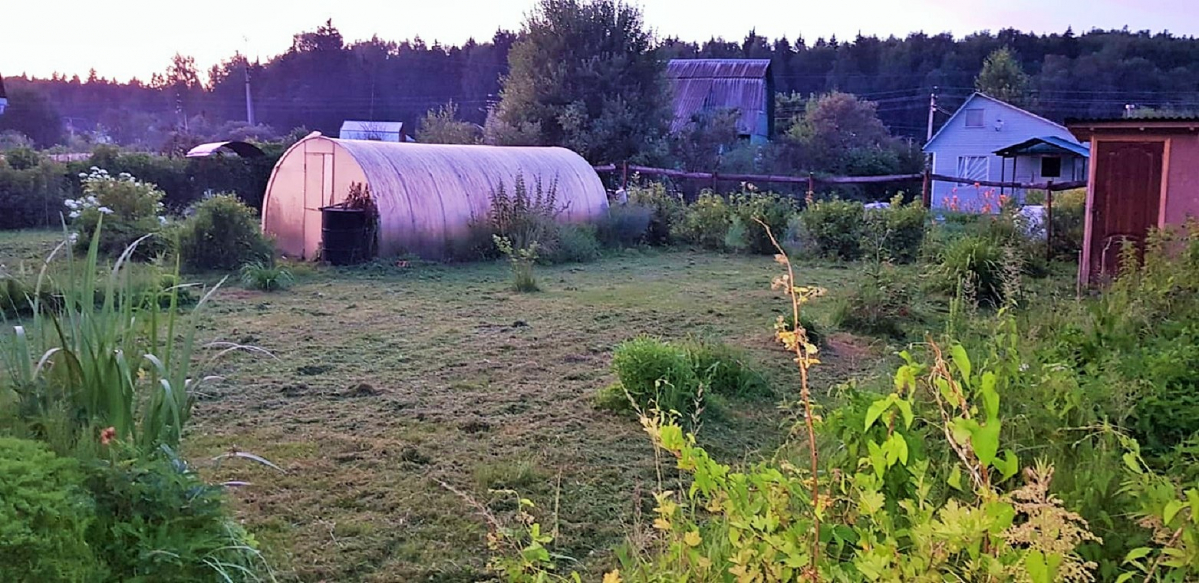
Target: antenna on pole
{"type": "Point", "coordinates": [249, 97]}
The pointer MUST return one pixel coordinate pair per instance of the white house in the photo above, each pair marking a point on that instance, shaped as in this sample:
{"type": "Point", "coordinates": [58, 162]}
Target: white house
{"type": "Point", "coordinates": [969, 146]}
{"type": "Point", "coordinates": [377, 131]}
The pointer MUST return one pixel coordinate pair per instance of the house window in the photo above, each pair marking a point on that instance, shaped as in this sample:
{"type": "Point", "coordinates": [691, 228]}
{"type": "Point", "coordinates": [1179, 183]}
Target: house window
{"type": "Point", "coordinates": [1051, 167]}
{"type": "Point", "coordinates": [974, 118]}
{"type": "Point", "coordinates": [974, 167]}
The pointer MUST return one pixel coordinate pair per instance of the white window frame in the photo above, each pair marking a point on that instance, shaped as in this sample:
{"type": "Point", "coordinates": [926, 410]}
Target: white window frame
{"type": "Point", "coordinates": [968, 168]}
{"type": "Point", "coordinates": [982, 118]}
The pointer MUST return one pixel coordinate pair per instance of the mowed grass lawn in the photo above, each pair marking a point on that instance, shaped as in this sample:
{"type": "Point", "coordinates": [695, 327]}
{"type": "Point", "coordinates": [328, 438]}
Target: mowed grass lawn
{"type": "Point", "coordinates": [385, 382]}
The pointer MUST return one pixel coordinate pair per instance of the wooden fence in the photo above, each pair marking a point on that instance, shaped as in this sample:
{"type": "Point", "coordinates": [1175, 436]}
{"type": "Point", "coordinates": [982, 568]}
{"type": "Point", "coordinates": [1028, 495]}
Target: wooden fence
{"type": "Point", "coordinates": [812, 180]}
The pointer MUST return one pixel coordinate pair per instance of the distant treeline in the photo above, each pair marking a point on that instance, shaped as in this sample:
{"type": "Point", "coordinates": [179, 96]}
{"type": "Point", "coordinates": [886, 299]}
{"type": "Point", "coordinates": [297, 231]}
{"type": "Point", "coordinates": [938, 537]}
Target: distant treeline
{"type": "Point", "coordinates": [321, 80]}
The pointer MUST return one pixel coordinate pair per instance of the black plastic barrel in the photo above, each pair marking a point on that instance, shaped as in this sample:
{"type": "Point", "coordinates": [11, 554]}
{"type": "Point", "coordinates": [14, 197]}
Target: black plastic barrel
{"type": "Point", "coordinates": [345, 235]}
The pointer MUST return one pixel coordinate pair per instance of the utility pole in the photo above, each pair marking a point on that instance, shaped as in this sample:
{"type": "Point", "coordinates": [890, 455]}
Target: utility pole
{"type": "Point", "coordinates": [932, 111]}
{"type": "Point", "coordinates": [249, 98]}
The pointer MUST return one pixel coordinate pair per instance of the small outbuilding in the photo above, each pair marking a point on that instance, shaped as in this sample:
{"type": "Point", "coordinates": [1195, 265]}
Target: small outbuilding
{"type": "Point", "coordinates": [378, 131]}
{"type": "Point", "coordinates": [1144, 175]}
{"type": "Point", "coordinates": [427, 195]}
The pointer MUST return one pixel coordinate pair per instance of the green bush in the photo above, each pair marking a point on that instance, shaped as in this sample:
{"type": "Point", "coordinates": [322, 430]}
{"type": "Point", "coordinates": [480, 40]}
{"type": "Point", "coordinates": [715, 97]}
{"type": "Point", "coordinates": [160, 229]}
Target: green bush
{"type": "Point", "coordinates": [653, 371]}
{"type": "Point", "coordinates": [574, 244]}
{"type": "Point", "coordinates": [222, 234]}
{"type": "Point", "coordinates": [624, 226]}
{"type": "Point", "coordinates": [880, 305]}
{"type": "Point", "coordinates": [157, 521]}
{"type": "Point", "coordinates": [706, 222]}
{"type": "Point", "coordinates": [773, 209]}
{"type": "Point", "coordinates": [667, 209]}
{"type": "Point", "coordinates": [32, 196]}
{"type": "Point", "coordinates": [895, 233]}
{"type": "Point", "coordinates": [129, 208]}
{"type": "Point", "coordinates": [44, 516]}
{"type": "Point", "coordinates": [835, 228]}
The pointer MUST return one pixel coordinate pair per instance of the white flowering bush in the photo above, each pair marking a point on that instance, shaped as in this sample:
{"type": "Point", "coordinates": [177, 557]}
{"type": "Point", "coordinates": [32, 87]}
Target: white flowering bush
{"type": "Point", "coordinates": [130, 209]}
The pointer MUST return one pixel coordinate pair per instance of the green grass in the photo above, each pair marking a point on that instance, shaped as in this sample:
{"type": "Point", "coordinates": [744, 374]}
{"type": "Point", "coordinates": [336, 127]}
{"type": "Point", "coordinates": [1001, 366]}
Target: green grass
{"type": "Point", "coordinates": [386, 380]}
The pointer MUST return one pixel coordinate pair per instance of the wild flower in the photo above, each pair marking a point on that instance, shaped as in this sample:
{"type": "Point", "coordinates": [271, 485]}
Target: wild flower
{"type": "Point", "coordinates": [105, 210]}
{"type": "Point", "coordinates": [107, 435]}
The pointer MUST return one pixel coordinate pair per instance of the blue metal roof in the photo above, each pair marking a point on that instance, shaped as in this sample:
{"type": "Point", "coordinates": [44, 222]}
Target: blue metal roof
{"type": "Point", "coordinates": [1051, 145]}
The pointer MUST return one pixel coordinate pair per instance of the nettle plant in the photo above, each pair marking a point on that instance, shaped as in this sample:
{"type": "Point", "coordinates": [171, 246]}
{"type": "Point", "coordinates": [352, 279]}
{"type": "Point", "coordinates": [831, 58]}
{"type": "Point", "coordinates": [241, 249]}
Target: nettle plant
{"type": "Point", "coordinates": [129, 208]}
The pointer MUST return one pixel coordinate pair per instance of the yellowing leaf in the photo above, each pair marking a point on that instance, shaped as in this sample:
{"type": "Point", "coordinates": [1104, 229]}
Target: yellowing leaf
{"type": "Point", "coordinates": [613, 577]}
{"type": "Point", "coordinates": [661, 524]}
{"type": "Point", "coordinates": [692, 539]}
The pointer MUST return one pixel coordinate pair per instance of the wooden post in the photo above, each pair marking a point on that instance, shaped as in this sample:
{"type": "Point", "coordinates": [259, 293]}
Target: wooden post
{"type": "Point", "coordinates": [714, 182]}
{"type": "Point", "coordinates": [926, 189]}
{"type": "Point", "coordinates": [1049, 221]}
{"type": "Point", "coordinates": [811, 188]}
{"type": "Point", "coordinates": [624, 182]}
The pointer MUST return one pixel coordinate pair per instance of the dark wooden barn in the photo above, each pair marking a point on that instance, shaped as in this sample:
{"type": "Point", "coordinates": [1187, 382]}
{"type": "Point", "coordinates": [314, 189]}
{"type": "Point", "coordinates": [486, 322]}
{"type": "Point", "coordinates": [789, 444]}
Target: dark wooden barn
{"type": "Point", "coordinates": [709, 85]}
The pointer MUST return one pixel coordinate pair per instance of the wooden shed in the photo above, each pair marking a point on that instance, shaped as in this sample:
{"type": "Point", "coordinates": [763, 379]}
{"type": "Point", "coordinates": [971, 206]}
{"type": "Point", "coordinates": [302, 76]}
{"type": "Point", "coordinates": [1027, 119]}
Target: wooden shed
{"type": "Point", "coordinates": [427, 195]}
{"type": "Point", "coordinates": [1144, 174]}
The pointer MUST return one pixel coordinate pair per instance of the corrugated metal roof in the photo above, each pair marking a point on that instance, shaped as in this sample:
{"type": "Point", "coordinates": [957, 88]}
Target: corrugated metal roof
{"type": "Point", "coordinates": [705, 85]}
{"type": "Point", "coordinates": [1045, 145]}
{"type": "Point", "coordinates": [717, 68]}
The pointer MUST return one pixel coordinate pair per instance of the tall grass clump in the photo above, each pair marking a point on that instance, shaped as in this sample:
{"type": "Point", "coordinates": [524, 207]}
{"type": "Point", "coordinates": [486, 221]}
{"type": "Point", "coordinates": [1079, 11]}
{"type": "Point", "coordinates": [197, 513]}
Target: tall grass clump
{"type": "Point", "coordinates": [104, 356]}
{"type": "Point", "coordinates": [521, 261]}
{"type": "Point", "coordinates": [266, 276]}
{"type": "Point", "coordinates": [653, 373]}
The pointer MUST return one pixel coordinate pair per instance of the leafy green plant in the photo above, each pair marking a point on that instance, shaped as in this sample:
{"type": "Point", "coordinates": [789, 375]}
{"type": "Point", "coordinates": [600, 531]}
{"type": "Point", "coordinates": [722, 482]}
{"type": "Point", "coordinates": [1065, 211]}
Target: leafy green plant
{"type": "Point", "coordinates": [521, 260]}
{"type": "Point", "coordinates": [527, 216]}
{"type": "Point", "coordinates": [130, 210]}
{"type": "Point", "coordinates": [222, 233]}
{"type": "Point", "coordinates": [157, 520]}
{"type": "Point", "coordinates": [44, 516]}
{"type": "Point", "coordinates": [835, 228]}
{"type": "Point", "coordinates": [265, 277]}
{"type": "Point", "coordinates": [706, 222]}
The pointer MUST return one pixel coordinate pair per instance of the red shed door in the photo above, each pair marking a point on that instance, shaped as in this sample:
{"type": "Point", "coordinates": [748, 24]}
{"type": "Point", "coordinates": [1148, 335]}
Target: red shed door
{"type": "Point", "coordinates": [1128, 188]}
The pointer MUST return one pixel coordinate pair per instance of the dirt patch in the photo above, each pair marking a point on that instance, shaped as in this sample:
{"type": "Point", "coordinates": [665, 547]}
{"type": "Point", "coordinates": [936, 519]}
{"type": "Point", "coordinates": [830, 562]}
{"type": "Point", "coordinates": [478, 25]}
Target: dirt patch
{"type": "Point", "coordinates": [359, 391]}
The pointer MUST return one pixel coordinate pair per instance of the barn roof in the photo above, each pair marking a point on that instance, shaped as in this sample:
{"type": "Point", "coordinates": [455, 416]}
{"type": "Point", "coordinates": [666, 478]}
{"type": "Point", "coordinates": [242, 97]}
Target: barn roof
{"type": "Point", "coordinates": [714, 84]}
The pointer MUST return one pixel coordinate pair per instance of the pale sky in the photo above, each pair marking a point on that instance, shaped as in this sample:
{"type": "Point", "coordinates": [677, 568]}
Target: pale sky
{"type": "Point", "coordinates": [126, 38]}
